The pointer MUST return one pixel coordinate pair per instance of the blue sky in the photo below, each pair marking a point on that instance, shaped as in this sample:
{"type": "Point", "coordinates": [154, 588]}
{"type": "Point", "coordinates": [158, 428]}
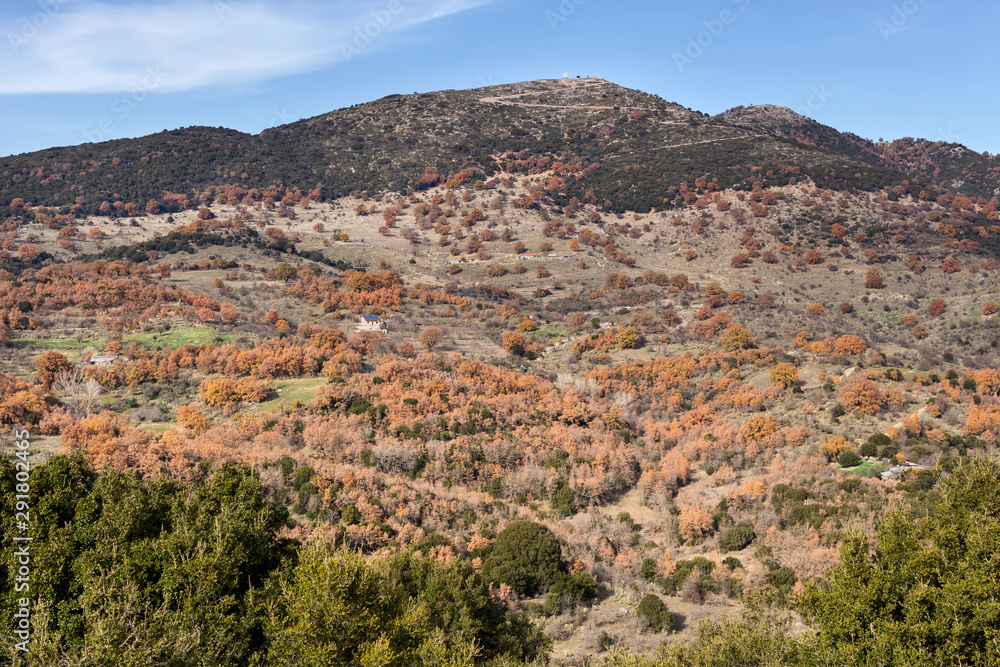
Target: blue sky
{"type": "Point", "coordinates": [73, 71]}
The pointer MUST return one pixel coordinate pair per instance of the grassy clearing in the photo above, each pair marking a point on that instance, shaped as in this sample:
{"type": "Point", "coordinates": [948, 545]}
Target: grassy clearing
{"type": "Point", "coordinates": [290, 391]}
{"type": "Point", "coordinates": [159, 427]}
{"type": "Point", "coordinates": [859, 470]}
{"type": "Point", "coordinates": [55, 343]}
{"type": "Point", "coordinates": [888, 319]}
{"type": "Point", "coordinates": [73, 349]}
{"type": "Point", "coordinates": [174, 338]}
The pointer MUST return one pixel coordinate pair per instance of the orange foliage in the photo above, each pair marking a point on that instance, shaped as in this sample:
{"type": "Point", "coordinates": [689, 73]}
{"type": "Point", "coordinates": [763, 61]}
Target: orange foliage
{"type": "Point", "coordinates": [851, 345]}
{"type": "Point", "coordinates": [861, 396]}
{"type": "Point", "coordinates": [760, 427]}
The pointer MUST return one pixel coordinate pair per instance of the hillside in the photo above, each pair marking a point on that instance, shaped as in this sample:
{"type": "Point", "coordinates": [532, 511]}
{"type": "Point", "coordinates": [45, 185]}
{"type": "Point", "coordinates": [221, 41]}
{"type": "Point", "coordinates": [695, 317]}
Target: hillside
{"type": "Point", "coordinates": [938, 163]}
{"type": "Point", "coordinates": [577, 425]}
{"type": "Point", "coordinates": [629, 148]}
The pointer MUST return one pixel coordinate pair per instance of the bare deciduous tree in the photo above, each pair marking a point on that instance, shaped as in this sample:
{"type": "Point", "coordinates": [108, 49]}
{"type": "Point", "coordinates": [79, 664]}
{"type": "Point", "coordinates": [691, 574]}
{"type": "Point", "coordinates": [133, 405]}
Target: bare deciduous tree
{"type": "Point", "coordinates": [79, 391]}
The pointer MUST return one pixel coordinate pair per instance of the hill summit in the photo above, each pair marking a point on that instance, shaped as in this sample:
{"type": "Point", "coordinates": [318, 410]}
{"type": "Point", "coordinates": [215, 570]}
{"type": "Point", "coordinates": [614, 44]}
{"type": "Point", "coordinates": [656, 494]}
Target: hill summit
{"type": "Point", "coordinates": [607, 142]}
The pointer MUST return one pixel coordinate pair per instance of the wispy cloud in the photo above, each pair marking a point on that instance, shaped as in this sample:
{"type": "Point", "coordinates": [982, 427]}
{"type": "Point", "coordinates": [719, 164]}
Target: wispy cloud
{"type": "Point", "coordinates": [60, 46]}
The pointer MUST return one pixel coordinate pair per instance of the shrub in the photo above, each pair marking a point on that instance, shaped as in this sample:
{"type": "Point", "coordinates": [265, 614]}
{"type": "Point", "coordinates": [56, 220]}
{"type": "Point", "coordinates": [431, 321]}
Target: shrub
{"type": "Point", "coordinates": [784, 375]}
{"type": "Point", "coordinates": [525, 556]}
{"type": "Point", "coordinates": [782, 578]}
{"type": "Point", "coordinates": [848, 459]}
{"type": "Point", "coordinates": [648, 570]}
{"type": "Point", "coordinates": [571, 589]}
{"type": "Point", "coordinates": [850, 485]}
{"type": "Point", "coordinates": [888, 452]}
{"type": "Point", "coordinates": [562, 497]}
{"type": "Point", "coordinates": [655, 614]}
{"type": "Point", "coordinates": [879, 439]}
{"type": "Point", "coordinates": [738, 537]}
{"type": "Point", "coordinates": [732, 563]}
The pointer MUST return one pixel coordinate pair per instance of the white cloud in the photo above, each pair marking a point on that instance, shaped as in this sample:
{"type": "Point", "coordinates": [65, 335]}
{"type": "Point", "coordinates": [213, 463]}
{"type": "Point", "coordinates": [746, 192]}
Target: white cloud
{"type": "Point", "coordinates": [68, 47]}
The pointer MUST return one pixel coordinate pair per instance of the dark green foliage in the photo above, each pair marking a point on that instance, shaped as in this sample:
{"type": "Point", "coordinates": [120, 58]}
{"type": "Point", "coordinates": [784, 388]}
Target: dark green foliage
{"type": "Point", "coordinates": [879, 439]}
{"type": "Point", "coordinates": [115, 557]}
{"type": "Point", "coordinates": [648, 570]}
{"type": "Point", "coordinates": [189, 575]}
{"type": "Point", "coordinates": [562, 497]}
{"type": "Point", "coordinates": [782, 578]}
{"type": "Point", "coordinates": [526, 556]}
{"type": "Point", "coordinates": [868, 449]}
{"type": "Point", "coordinates": [850, 485]}
{"type": "Point", "coordinates": [570, 589]}
{"type": "Point", "coordinates": [848, 459]}
{"type": "Point", "coordinates": [655, 614]}
{"type": "Point", "coordinates": [432, 540]}
{"type": "Point", "coordinates": [930, 593]}
{"type": "Point", "coordinates": [457, 601]}
{"type": "Point", "coordinates": [738, 537]}
{"type": "Point", "coordinates": [915, 481]}
{"type": "Point", "coordinates": [698, 566]}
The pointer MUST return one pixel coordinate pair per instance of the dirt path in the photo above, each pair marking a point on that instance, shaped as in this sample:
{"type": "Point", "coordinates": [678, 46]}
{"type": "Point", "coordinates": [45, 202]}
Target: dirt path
{"type": "Point", "coordinates": [504, 100]}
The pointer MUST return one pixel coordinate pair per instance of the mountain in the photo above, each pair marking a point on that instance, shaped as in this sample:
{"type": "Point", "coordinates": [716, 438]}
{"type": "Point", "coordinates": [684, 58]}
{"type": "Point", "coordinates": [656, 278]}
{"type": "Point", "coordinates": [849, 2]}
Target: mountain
{"type": "Point", "coordinates": [939, 163]}
{"type": "Point", "coordinates": [630, 148]}
{"type": "Point", "coordinates": [499, 425]}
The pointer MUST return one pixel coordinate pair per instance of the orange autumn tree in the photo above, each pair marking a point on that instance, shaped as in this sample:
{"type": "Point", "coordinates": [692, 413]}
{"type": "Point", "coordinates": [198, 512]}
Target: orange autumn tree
{"type": "Point", "coordinates": [628, 339]}
{"type": "Point", "coordinates": [431, 337]}
{"type": "Point", "coordinates": [737, 338]}
{"type": "Point", "coordinates": [951, 265]}
{"type": "Point", "coordinates": [49, 366]}
{"type": "Point", "coordinates": [192, 418]}
{"type": "Point", "coordinates": [851, 345]}
{"type": "Point", "coordinates": [834, 446]}
{"type": "Point", "coordinates": [784, 375]}
{"type": "Point", "coordinates": [861, 395]}
{"type": "Point", "coordinates": [760, 427]}
{"type": "Point", "coordinates": [227, 391]}
{"type": "Point", "coordinates": [874, 279]}
{"type": "Point", "coordinates": [694, 522]}
{"type": "Point", "coordinates": [514, 342]}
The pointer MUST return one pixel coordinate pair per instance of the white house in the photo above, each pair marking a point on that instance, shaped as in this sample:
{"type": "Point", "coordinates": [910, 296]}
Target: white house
{"type": "Point", "coordinates": [104, 361]}
{"type": "Point", "coordinates": [371, 323]}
